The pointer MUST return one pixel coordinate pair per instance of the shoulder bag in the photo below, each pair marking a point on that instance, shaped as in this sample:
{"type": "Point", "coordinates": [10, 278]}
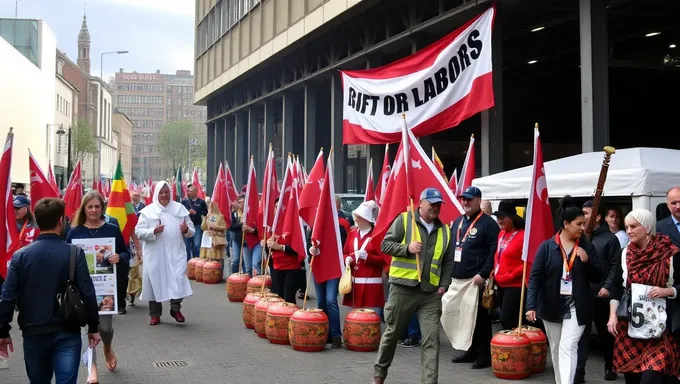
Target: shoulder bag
{"type": "Point", "coordinates": [71, 308]}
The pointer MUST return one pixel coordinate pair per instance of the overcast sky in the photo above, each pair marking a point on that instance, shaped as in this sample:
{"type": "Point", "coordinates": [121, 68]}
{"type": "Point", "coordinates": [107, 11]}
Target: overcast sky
{"type": "Point", "coordinates": [158, 33]}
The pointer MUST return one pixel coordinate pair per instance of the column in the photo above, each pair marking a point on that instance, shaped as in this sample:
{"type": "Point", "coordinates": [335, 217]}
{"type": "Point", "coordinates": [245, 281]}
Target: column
{"type": "Point", "coordinates": [241, 158]}
{"type": "Point", "coordinates": [377, 153]}
{"type": "Point", "coordinates": [336, 133]}
{"type": "Point", "coordinates": [220, 133]}
{"type": "Point", "coordinates": [228, 143]}
{"type": "Point", "coordinates": [253, 129]}
{"type": "Point", "coordinates": [268, 129]}
{"type": "Point", "coordinates": [310, 147]}
{"type": "Point", "coordinates": [288, 129]}
{"type": "Point", "coordinates": [211, 170]}
{"type": "Point", "coordinates": [594, 75]}
{"type": "Point", "coordinates": [492, 143]}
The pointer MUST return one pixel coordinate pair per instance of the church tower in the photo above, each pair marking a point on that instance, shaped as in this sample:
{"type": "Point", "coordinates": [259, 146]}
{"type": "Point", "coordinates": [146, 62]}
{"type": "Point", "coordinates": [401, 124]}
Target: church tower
{"type": "Point", "coordinates": [84, 47]}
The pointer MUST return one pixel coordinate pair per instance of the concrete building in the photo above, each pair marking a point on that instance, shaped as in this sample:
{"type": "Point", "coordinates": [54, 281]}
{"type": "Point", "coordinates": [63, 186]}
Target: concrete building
{"type": "Point", "coordinates": [267, 71]}
{"type": "Point", "coordinates": [66, 110]}
{"type": "Point", "coordinates": [27, 91]}
{"type": "Point", "coordinates": [122, 133]}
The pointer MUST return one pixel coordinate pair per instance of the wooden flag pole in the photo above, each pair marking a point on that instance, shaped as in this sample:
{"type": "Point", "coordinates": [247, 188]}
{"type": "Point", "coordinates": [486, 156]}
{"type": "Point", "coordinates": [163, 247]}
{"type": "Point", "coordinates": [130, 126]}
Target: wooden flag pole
{"type": "Point", "coordinates": [309, 281]}
{"type": "Point", "coordinates": [415, 235]}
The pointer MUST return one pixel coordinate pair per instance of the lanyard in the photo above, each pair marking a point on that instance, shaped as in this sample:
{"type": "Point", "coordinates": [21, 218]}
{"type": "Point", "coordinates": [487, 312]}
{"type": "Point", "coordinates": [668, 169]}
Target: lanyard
{"type": "Point", "coordinates": [502, 247]}
{"type": "Point", "coordinates": [23, 229]}
{"type": "Point", "coordinates": [568, 262]}
{"type": "Point", "coordinates": [460, 225]}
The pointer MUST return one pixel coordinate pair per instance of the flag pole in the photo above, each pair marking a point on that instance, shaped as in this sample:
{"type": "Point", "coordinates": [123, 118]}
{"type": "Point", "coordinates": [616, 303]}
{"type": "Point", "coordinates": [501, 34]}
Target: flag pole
{"type": "Point", "coordinates": [309, 281]}
{"type": "Point", "coordinates": [526, 262]}
{"type": "Point", "coordinates": [415, 233]}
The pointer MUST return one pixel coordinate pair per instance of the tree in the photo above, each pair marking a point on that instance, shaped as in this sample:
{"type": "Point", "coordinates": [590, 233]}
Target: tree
{"type": "Point", "coordinates": [173, 142]}
{"type": "Point", "coordinates": [83, 143]}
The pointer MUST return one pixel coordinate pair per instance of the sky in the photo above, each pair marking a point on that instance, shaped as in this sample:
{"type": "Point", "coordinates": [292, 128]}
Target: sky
{"type": "Point", "coordinates": [159, 34]}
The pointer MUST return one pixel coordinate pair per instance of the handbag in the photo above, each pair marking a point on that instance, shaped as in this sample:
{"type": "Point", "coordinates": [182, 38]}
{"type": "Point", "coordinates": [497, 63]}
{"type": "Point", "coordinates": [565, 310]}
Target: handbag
{"type": "Point", "coordinates": [623, 311]}
{"type": "Point", "coordinates": [488, 299]}
{"type": "Point", "coordinates": [345, 285]}
{"type": "Point", "coordinates": [71, 307]}
{"type": "Point", "coordinates": [219, 240]}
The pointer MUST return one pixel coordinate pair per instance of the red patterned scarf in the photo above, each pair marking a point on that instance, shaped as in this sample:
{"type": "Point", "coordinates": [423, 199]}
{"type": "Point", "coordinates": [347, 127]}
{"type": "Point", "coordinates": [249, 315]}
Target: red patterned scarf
{"type": "Point", "coordinates": [650, 265]}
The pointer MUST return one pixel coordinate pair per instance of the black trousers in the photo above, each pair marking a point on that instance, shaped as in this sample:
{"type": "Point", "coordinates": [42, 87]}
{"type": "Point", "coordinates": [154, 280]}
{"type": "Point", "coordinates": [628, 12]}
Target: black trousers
{"type": "Point", "coordinates": [287, 282]}
{"type": "Point", "coordinates": [649, 377]}
{"type": "Point", "coordinates": [122, 279]}
{"type": "Point", "coordinates": [600, 318]}
{"type": "Point", "coordinates": [508, 302]}
{"type": "Point", "coordinates": [481, 338]}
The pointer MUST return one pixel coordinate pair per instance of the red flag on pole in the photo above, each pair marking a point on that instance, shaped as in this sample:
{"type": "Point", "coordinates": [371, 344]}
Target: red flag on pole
{"type": "Point", "coordinates": [74, 191]}
{"type": "Point", "coordinates": [293, 226]}
{"type": "Point", "coordinates": [52, 179]}
{"type": "Point", "coordinates": [270, 191]}
{"type": "Point", "coordinates": [197, 183]}
{"type": "Point", "coordinates": [284, 197]}
{"type": "Point", "coordinates": [453, 182]}
{"type": "Point", "coordinates": [251, 205]}
{"type": "Point", "coordinates": [330, 262]}
{"type": "Point", "coordinates": [9, 237]}
{"type": "Point", "coordinates": [539, 221]}
{"type": "Point", "coordinates": [309, 197]}
{"type": "Point", "coordinates": [384, 177]}
{"type": "Point", "coordinates": [40, 185]}
{"type": "Point", "coordinates": [220, 197]}
{"type": "Point", "coordinates": [230, 186]}
{"type": "Point", "coordinates": [468, 172]}
{"type": "Point", "coordinates": [370, 191]}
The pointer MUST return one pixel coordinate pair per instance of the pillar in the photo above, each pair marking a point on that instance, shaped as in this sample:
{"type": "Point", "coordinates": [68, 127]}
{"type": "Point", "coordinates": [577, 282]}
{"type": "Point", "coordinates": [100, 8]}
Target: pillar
{"type": "Point", "coordinates": [211, 170]}
{"type": "Point", "coordinates": [268, 129]}
{"type": "Point", "coordinates": [594, 75]}
{"type": "Point", "coordinates": [228, 153]}
{"type": "Point", "coordinates": [241, 158]}
{"type": "Point", "coordinates": [220, 155]}
{"type": "Point", "coordinates": [288, 129]}
{"type": "Point", "coordinates": [336, 133]}
{"type": "Point", "coordinates": [310, 145]}
{"type": "Point", "coordinates": [492, 143]}
{"type": "Point", "coordinates": [252, 137]}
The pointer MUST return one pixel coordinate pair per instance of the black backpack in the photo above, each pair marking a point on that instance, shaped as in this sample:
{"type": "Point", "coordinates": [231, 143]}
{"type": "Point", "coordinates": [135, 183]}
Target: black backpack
{"type": "Point", "coordinates": [71, 308]}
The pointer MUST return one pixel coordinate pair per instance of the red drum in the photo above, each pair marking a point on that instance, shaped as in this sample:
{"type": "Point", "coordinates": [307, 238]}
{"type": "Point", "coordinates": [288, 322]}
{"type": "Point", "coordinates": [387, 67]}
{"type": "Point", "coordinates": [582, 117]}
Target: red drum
{"type": "Point", "coordinates": [308, 330]}
{"type": "Point", "coordinates": [511, 355]}
{"type": "Point", "coordinates": [276, 323]}
{"type": "Point", "coordinates": [255, 284]}
{"type": "Point", "coordinates": [539, 348]}
{"type": "Point", "coordinates": [361, 332]}
{"type": "Point", "coordinates": [191, 268]}
{"type": "Point", "coordinates": [236, 286]}
{"type": "Point", "coordinates": [198, 272]}
{"type": "Point", "coordinates": [260, 314]}
{"type": "Point", "coordinates": [212, 272]}
{"type": "Point", "coordinates": [249, 307]}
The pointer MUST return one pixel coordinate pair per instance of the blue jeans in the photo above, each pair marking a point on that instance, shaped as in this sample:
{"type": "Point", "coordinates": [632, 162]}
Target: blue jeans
{"type": "Point", "coordinates": [413, 330]}
{"type": "Point", "coordinates": [327, 300]}
{"type": "Point", "coordinates": [55, 354]}
{"type": "Point", "coordinates": [193, 243]}
{"type": "Point", "coordinates": [236, 257]}
{"type": "Point", "coordinates": [252, 258]}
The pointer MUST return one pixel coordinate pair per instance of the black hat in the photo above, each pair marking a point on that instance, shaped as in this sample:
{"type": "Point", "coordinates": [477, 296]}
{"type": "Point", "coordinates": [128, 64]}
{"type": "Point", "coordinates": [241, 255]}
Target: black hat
{"type": "Point", "coordinates": [506, 209]}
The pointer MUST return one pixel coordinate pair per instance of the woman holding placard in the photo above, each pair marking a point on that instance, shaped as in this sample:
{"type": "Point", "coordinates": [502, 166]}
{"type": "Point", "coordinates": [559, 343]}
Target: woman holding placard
{"type": "Point", "coordinates": [645, 351]}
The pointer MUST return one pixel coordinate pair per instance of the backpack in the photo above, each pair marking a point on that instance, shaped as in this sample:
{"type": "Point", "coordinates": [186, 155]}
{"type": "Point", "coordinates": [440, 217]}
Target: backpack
{"type": "Point", "coordinates": [71, 308]}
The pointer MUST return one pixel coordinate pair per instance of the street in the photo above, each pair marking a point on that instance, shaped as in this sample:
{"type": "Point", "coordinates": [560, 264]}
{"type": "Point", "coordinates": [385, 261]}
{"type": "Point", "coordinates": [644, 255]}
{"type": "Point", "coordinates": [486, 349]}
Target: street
{"type": "Point", "coordinates": [215, 347]}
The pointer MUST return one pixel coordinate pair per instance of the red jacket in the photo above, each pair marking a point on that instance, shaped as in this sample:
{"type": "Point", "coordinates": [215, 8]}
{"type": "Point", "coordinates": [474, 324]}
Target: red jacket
{"type": "Point", "coordinates": [27, 233]}
{"type": "Point", "coordinates": [287, 259]}
{"type": "Point", "coordinates": [367, 286]}
{"type": "Point", "coordinates": [509, 265]}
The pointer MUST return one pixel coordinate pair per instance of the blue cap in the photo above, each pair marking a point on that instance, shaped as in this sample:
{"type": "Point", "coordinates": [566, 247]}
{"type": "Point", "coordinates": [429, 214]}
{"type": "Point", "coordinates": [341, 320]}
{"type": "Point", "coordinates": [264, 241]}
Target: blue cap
{"type": "Point", "coordinates": [21, 201]}
{"type": "Point", "coordinates": [432, 195]}
{"type": "Point", "coordinates": [470, 193]}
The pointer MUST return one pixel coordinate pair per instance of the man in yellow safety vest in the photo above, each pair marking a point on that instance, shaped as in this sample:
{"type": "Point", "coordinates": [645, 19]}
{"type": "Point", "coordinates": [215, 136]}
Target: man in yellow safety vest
{"type": "Point", "coordinates": [426, 236]}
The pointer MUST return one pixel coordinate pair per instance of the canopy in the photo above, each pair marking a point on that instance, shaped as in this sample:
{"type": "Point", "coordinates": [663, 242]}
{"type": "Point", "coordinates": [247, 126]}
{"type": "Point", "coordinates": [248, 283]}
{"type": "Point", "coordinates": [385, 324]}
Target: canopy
{"type": "Point", "coordinates": [632, 172]}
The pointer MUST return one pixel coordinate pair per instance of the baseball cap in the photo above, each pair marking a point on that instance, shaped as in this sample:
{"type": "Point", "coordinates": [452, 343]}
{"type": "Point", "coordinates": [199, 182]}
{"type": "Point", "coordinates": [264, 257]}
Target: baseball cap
{"type": "Point", "coordinates": [432, 195]}
{"type": "Point", "coordinates": [471, 192]}
{"type": "Point", "coordinates": [21, 201]}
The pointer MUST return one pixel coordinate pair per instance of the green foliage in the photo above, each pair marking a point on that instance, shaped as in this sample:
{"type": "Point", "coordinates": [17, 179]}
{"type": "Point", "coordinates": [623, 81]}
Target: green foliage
{"type": "Point", "coordinates": [173, 142]}
{"type": "Point", "coordinates": [83, 143]}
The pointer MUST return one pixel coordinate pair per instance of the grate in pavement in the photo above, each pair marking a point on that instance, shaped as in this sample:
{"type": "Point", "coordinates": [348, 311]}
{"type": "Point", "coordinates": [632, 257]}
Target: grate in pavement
{"type": "Point", "coordinates": [170, 364]}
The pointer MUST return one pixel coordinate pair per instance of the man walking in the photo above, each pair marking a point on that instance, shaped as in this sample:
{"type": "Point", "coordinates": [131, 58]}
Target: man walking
{"type": "Point", "coordinates": [197, 209]}
{"type": "Point", "coordinates": [36, 275]}
{"type": "Point", "coordinates": [407, 294]}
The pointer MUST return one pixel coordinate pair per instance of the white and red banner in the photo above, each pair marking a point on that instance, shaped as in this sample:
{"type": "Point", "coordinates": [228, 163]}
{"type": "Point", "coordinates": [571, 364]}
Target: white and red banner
{"type": "Point", "coordinates": [436, 87]}
{"type": "Point", "coordinates": [9, 237]}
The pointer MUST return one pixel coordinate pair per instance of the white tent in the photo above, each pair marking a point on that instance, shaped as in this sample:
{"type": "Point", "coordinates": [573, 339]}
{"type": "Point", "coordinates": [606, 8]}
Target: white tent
{"type": "Point", "coordinates": [633, 172]}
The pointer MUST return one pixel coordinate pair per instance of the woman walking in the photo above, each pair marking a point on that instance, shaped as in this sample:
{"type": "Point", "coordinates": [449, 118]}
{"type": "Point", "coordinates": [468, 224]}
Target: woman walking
{"type": "Point", "coordinates": [88, 223]}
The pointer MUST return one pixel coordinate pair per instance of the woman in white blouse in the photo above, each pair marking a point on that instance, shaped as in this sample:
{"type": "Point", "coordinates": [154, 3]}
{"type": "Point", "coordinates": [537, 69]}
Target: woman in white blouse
{"type": "Point", "coordinates": [613, 220]}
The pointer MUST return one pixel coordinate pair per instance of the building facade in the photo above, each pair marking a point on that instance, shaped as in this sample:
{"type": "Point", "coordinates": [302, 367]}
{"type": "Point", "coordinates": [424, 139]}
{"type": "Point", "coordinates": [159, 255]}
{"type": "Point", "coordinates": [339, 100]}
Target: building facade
{"type": "Point", "coordinates": [27, 93]}
{"type": "Point", "coordinates": [65, 117]}
{"type": "Point", "coordinates": [122, 131]}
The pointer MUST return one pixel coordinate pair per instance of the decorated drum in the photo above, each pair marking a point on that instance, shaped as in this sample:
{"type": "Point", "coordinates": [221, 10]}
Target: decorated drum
{"type": "Point", "coordinates": [249, 307]}
{"type": "Point", "coordinates": [198, 272]}
{"type": "Point", "coordinates": [191, 268]}
{"type": "Point", "coordinates": [212, 272]}
{"type": "Point", "coordinates": [276, 323]}
{"type": "Point", "coordinates": [361, 332]}
{"type": "Point", "coordinates": [260, 314]}
{"type": "Point", "coordinates": [539, 348]}
{"type": "Point", "coordinates": [255, 284]}
{"type": "Point", "coordinates": [511, 355]}
{"type": "Point", "coordinates": [236, 286]}
{"type": "Point", "coordinates": [308, 330]}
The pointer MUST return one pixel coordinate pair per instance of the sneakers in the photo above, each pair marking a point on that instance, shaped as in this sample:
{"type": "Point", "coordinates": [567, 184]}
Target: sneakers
{"type": "Point", "coordinates": [177, 315]}
{"type": "Point", "coordinates": [336, 343]}
{"type": "Point", "coordinates": [409, 342]}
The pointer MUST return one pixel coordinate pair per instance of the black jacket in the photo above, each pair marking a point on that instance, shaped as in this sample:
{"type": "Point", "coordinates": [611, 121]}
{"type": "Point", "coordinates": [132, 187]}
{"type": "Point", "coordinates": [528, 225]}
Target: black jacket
{"type": "Point", "coordinates": [479, 247]}
{"type": "Point", "coordinates": [668, 228]}
{"type": "Point", "coordinates": [37, 273]}
{"type": "Point", "coordinates": [543, 295]}
{"type": "Point", "coordinates": [608, 248]}
{"type": "Point", "coordinates": [236, 228]}
{"type": "Point", "coordinates": [199, 206]}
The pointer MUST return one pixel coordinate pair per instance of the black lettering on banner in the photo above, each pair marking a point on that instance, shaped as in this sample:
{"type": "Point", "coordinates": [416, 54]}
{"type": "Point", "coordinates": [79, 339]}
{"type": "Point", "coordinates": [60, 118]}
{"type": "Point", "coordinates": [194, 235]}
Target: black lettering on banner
{"type": "Point", "coordinates": [463, 56]}
{"type": "Point", "coordinates": [454, 69]}
{"type": "Point", "coordinates": [430, 93]}
{"type": "Point", "coordinates": [352, 97]}
{"type": "Point", "coordinates": [402, 102]}
{"type": "Point", "coordinates": [389, 105]}
{"type": "Point", "coordinates": [475, 45]}
{"type": "Point", "coordinates": [441, 81]}
{"type": "Point", "coordinates": [637, 318]}
{"type": "Point", "coordinates": [374, 104]}
{"type": "Point", "coordinates": [418, 102]}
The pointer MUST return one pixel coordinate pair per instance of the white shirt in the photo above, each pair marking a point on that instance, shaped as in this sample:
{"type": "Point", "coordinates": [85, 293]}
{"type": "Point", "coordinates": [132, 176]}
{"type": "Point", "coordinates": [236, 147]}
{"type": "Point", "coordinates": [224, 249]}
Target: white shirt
{"type": "Point", "coordinates": [430, 226]}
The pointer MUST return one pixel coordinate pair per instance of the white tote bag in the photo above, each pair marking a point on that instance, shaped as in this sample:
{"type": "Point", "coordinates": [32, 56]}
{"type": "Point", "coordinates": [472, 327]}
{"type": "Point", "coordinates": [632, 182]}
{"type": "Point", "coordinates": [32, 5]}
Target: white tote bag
{"type": "Point", "coordinates": [647, 316]}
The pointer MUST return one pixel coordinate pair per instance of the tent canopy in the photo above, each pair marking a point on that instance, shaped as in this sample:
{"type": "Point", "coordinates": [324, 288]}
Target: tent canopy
{"type": "Point", "coordinates": [632, 172]}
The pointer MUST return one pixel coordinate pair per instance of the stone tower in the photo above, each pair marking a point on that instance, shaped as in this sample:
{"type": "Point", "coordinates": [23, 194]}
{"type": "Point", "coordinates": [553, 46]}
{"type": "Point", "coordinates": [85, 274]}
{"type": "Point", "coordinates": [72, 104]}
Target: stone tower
{"type": "Point", "coordinates": [84, 47]}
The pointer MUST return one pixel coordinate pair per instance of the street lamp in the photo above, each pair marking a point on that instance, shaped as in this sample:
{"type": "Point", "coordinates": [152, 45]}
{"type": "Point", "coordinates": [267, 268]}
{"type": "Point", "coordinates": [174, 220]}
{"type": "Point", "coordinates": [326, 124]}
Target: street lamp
{"type": "Point", "coordinates": [61, 132]}
{"type": "Point", "coordinates": [101, 105]}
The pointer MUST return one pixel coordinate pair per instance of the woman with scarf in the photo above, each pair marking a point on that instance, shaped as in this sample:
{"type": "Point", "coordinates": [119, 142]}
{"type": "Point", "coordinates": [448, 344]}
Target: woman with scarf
{"type": "Point", "coordinates": [214, 226]}
{"type": "Point", "coordinates": [366, 262]}
{"type": "Point", "coordinates": [559, 288]}
{"type": "Point", "coordinates": [650, 259]}
{"type": "Point", "coordinates": [163, 225]}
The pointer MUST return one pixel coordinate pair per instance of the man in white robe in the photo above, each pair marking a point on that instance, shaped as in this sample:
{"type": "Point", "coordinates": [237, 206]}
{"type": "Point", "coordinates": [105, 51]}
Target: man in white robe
{"type": "Point", "coordinates": [162, 228]}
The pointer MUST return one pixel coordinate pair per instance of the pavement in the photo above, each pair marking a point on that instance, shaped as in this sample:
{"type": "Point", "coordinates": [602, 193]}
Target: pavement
{"type": "Point", "coordinates": [215, 347]}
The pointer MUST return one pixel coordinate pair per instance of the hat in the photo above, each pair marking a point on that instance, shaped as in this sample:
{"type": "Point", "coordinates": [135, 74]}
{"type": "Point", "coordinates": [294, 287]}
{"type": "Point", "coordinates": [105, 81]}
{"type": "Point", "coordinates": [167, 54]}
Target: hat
{"type": "Point", "coordinates": [21, 201]}
{"type": "Point", "coordinates": [471, 192]}
{"type": "Point", "coordinates": [506, 209]}
{"type": "Point", "coordinates": [368, 210]}
{"type": "Point", "coordinates": [645, 218]}
{"type": "Point", "coordinates": [432, 195]}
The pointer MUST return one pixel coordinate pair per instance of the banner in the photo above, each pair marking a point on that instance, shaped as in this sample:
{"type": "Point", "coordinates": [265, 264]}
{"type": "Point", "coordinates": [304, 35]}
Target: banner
{"type": "Point", "coordinates": [97, 251]}
{"type": "Point", "coordinates": [436, 87]}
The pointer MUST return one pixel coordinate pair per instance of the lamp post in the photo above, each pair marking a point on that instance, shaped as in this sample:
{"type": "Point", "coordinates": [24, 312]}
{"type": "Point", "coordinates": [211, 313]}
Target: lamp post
{"type": "Point", "coordinates": [61, 132]}
{"type": "Point", "coordinates": [100, 132]}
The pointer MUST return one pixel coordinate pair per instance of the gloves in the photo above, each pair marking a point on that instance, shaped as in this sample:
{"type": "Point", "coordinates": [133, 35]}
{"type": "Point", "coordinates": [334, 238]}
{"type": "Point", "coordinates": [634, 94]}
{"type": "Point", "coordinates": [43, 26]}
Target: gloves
{"type": "Point", "coordinates": [314, 251]}
{"type": "Point", "coordinates": [361, 254]}
{"type": "Point", "coordinates": [348, 260]}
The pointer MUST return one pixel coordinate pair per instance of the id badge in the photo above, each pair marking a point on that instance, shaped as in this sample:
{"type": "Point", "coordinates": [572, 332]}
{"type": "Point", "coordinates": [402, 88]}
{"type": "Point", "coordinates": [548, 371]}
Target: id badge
{"type": "Point", "coordinates": [566, 287]}
{"type": "Point", "coordinates": [458, 255]}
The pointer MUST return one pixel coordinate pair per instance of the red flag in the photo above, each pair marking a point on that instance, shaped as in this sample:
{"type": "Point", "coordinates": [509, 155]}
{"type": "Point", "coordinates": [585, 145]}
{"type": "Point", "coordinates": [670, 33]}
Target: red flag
{"type": "Point", "coordinates": [453, 182]}
{"type": "Point", "coordinates": [370, 191]}
{"type": "Point", "coordinates": [251, 205]}
{"type": "Point", "coordinates": [539, 221]}
{"type": "Point", "coordinates": [284, 197]}
{"type": "Point", "coordinates": [52, 179]}
{"type": "Point", "coordinates": [467, 174]}
{"type": "Point", "coordinates": [293, 226]}
{"type": "Point", "coordinates": [420, 174]}
{"type": "Point", "coordinates": [230, 186]}
{"type": "Point", "coordinates": [309, 197]}
{"type": "Point", "coordinates": [196, 183]}
{"type": "Point", "coordinates": [384, 177]}
{"type": "Point", "coordinates": [270, 191]}
{"type": "Point", "coordinates": [73, 196]}
{"type": "Point", "coordinates": [149, 199]}
{"type": "Point", "coordinates": [9, 236]}
{"type": "Point", "coordinates": [40, 185]}
{"type": "Point", "coordinates": [330, 262]}
{"type": "Point", "coordinates": [220, 197]}
{"type": "Point", "coordinates": [300, 178]}
{"type": "Point", "coordinates": [438, 163]}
